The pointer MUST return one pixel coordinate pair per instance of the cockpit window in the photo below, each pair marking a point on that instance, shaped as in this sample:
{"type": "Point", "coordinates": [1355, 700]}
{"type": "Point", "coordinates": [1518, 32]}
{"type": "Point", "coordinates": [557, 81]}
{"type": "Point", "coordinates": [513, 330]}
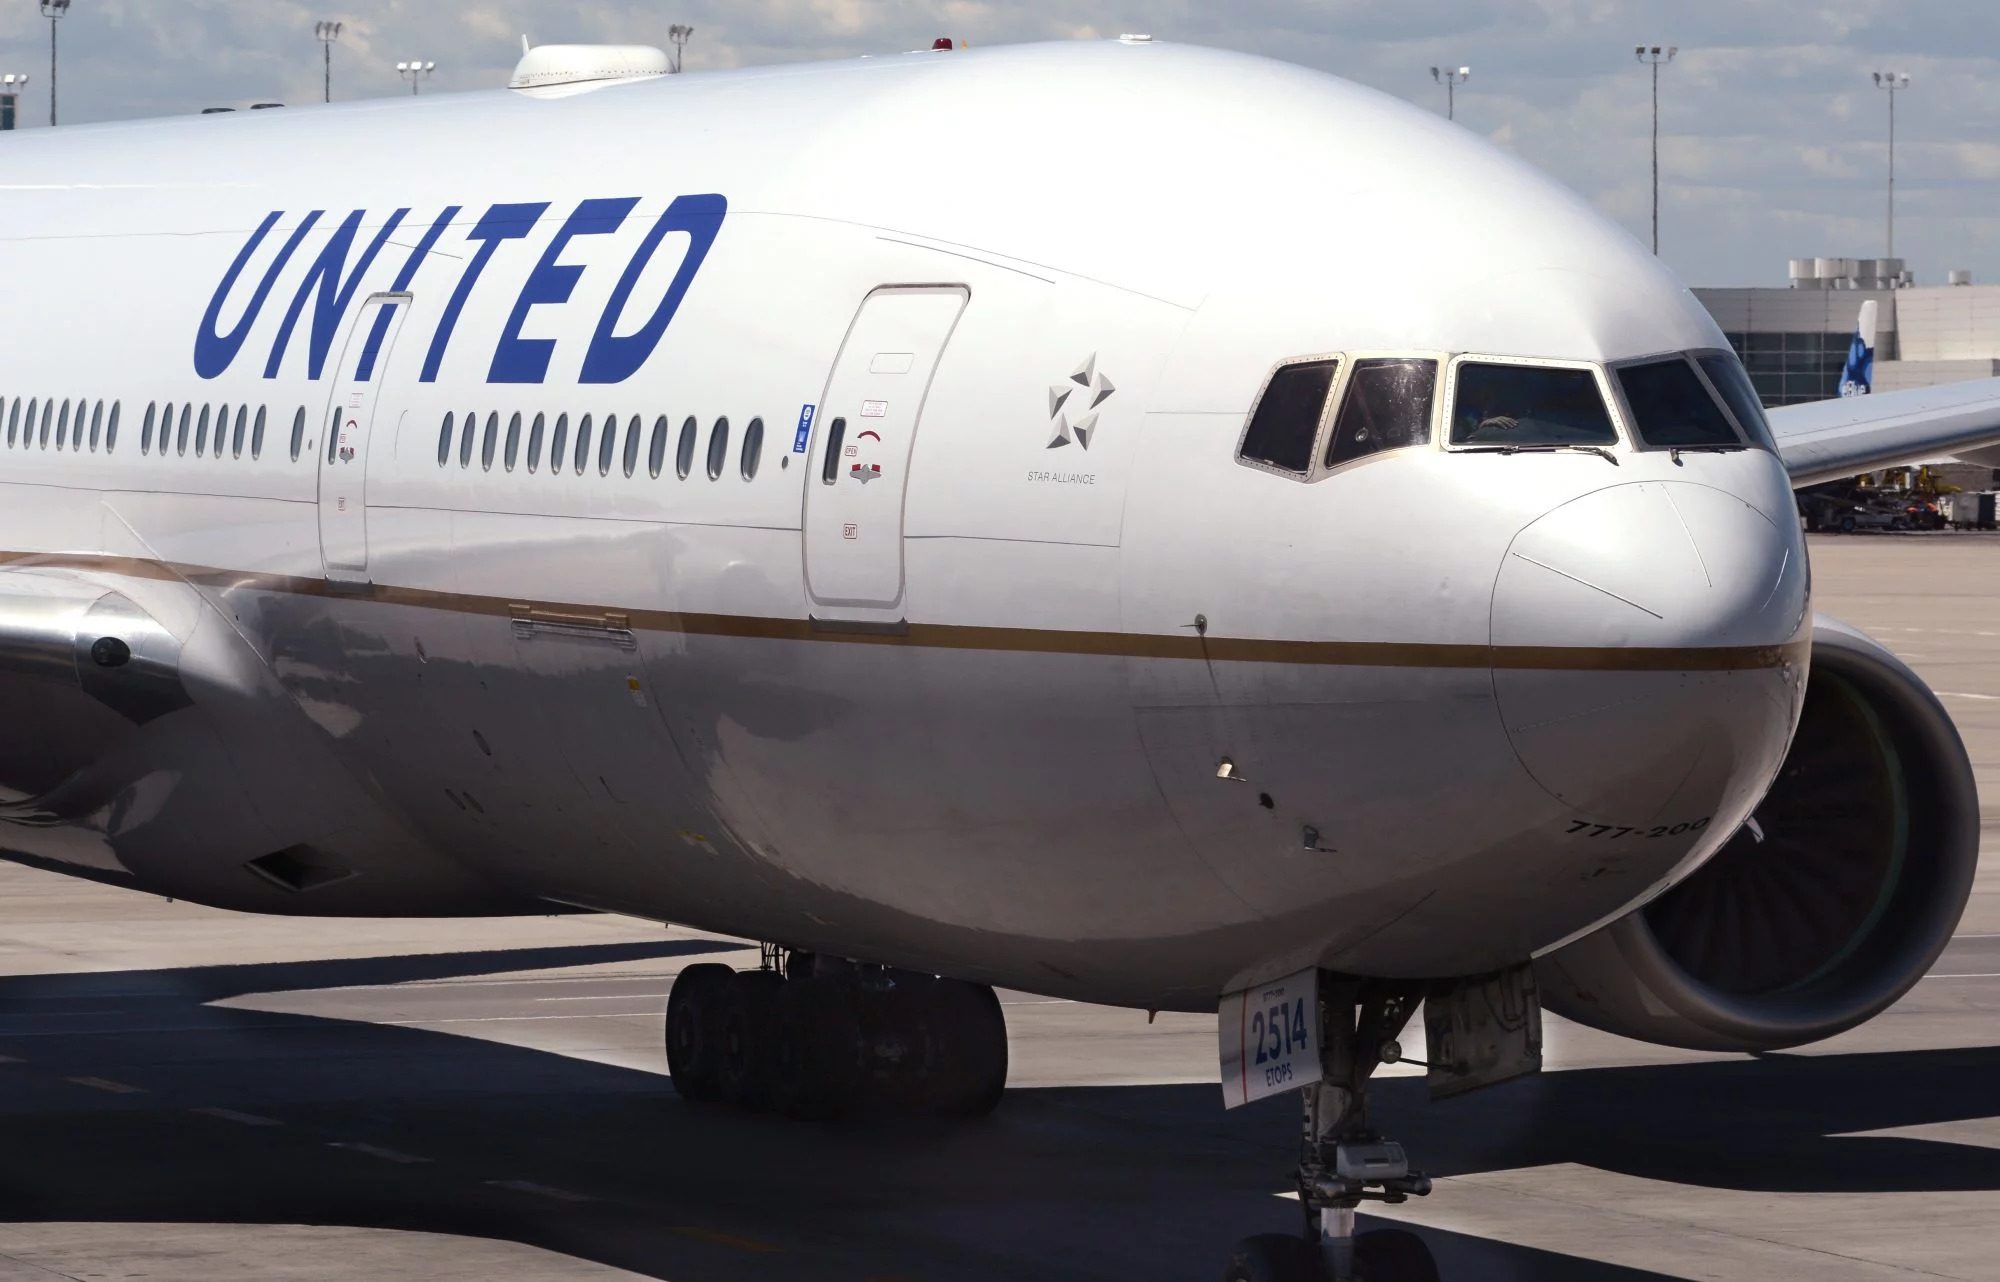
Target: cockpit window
{"type": "Point", "coordinates": [1726, 372]}
{"type": "Point", "coordinates": [1286, 422]}
{"type": "Point", "coordinates": [1672, 409]}
{"type": "Point", "coordinates": [1528, 405]}
{"type": "Point", "coordinates": [1387, 407]}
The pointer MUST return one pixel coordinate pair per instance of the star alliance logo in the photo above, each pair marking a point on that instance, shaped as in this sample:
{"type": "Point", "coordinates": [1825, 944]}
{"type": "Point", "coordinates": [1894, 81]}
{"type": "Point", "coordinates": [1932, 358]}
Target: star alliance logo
{"type": "Point", "coordinates": [1089, 389]}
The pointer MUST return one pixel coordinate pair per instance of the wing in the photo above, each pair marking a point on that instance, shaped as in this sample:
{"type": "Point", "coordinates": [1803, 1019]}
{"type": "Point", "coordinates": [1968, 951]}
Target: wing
{"type": "Point", "coordinates": [1828, 440]}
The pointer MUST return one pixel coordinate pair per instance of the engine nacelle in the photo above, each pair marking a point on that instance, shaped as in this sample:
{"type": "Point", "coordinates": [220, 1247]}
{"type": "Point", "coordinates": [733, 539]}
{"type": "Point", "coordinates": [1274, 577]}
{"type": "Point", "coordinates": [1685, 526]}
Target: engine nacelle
{"type": "Point", "coordinates": [1827, 906]}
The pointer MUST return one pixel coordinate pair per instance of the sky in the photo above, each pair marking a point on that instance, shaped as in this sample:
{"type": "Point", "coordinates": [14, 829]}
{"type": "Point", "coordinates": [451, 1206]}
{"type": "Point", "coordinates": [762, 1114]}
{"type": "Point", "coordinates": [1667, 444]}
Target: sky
{"type": "Point", "coordinates": [1773, 137]}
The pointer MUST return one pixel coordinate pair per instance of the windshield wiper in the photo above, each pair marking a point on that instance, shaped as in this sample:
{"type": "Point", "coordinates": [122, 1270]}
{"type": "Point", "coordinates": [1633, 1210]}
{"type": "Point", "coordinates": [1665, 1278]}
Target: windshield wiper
{"type": "Point", "coordinates": [1545, 447]}
{"type": "Point", "coordinates": [1677, 450]}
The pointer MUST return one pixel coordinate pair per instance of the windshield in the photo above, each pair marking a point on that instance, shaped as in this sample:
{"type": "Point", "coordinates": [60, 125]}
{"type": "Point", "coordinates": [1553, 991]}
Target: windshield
{"type": "Point", "coordinates": [1726, 372]}
{"type": "Point", "coordinates": [1523, 406]}
{"type": "Point", "coordinates": [1388, 406]}
{"type": "Point", "coordinates": [1671, 407]}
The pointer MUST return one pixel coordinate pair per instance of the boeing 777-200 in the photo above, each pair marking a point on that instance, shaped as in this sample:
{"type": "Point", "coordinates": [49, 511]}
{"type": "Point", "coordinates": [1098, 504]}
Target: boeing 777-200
{"type": "Point", "coordinates": [1115, 520]}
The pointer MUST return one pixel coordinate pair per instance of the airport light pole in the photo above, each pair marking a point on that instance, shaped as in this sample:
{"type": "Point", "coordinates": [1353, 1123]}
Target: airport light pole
{"type": "Point", "coordinates": [1451, 78]}
{"type": "Point", "coordinates": [678, 34]}
{"type": "Point", "coordinates": [1894, 82]}
{"type": "Point", "coordinates": [11, 88]}
{"type": "Point", "coordinates": [54, 11]}
{"type": "Point", "coordinates": [1655, 55]}
{"type": "Point", "coordinates": [415, 72]}
{"type": "Point", "coordinates": [328, 32]}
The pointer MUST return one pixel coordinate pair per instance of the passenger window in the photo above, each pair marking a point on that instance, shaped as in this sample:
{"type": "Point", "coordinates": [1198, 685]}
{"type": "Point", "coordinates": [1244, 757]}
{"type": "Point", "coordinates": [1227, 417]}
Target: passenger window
{"type": "Point", "coordinates": [1387, 406]}
{"type": "Point", "coordinates": [14, 423]}
{"type": "Point", "coordinates": [257, 436]}
{"type": "Point", "coordinates": [513, 442]}
{"type": "Point", "coordinates": [753, 449]}
{"type": "Point", "coordinates": [181, 433]}
{"type": "Point", "coordinates": [607, 445]}
{"type": "Point", "coordinates": [221, 431]}
{"type": "Point", "coordinates": [632, 445]}
{"type": "Point", "coordinates": [1726, 372]}
{"type": "Point", "coordinates": [236, 437]}
{"type": "Point", "coordinates": [490, 443]}
{"type": "Point", "coordinates": [1512, 406]}
{"type": "Point", "coordinates": [1671, 408]}
{"type": "Point", "coordinates": [559, 445]}
{"type": "Point", "coordinates": [48, 414]}
{"type": "Point", "coordinates": [583, 445]}
{"type": "Point", "coordinates": [684, 451]}
{"type": "Point", "coordinates": [96, 425]}
{"type": "Point", "coordinates": [445, 437]}
{"type": "Point", "coordinates": [829, 468]}
{"type": "Point", "coordinates": [201, 433]}
{"type": "Point", "coordinates": [1286, 422]}
{"type": "Point", "coordinates": [535, 435]}
{"type": "Point", "coordinates": [298, 433]}
{"type": "Point", "coordinates": [28, 436]}
{"type": "Point", "coordinates": [146, 430]}
{"type": "Point", "coordinates": [718, 448]}
{"type": "Point", "coordinates": [467, 434]}
{"type": "Point", "coordinates": [111, 428]}
{"type": "Point", "coordinates": [656, 453]}
{"type": "Point", "coordinates": [62, 426]}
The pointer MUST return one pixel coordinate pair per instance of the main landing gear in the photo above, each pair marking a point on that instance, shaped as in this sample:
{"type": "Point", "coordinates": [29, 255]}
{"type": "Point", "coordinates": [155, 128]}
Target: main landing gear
{"type": "Point", "coordinates": [814, 1037]}
{"type": "Point", "coordinates": [1342, 1162]}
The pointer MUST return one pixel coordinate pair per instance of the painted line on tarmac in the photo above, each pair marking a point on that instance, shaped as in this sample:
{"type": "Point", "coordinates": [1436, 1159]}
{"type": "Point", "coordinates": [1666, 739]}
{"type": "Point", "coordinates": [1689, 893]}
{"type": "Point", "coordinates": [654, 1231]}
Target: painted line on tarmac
{"type": "Point", "coordinates": [375, 1150]}
{"type": "Point", "coordinates": [106, 1084]}
{"type": "Point", "coordinates": [610, 997]}
{"type": "Point", "coordinates": [515, 1019]}
{"type": "Point", "coordinates": [241, 1119]}
{"type": "Point", "coordinates": [12, 1059]}
{"type": "Point", "coordinates": [539, 1190]}
{"type": "Point", "coordinates": [1963, 694]}
{"type": "Point", "coordinates": [1986, 975]}
{"type": "Point", "coordinates": [730, 1240]}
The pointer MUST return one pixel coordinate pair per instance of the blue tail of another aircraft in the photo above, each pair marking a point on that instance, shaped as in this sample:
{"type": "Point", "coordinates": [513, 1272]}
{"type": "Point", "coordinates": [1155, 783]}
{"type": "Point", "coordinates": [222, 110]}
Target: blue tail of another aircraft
{"type": "Point", "coordinates": [1857, 377]}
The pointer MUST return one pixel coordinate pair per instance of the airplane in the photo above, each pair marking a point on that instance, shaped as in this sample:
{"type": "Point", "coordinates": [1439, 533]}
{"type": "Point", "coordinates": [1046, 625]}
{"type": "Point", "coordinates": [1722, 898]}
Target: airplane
{"type": "Point", "coordinates": [1116, 520]}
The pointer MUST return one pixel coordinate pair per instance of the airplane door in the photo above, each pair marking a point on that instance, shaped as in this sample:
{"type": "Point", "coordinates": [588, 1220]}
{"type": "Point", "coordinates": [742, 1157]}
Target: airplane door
{"type": "Point", "coordinates": [867, 427]}
{"type": "Point", "coordinates": [343, 466]}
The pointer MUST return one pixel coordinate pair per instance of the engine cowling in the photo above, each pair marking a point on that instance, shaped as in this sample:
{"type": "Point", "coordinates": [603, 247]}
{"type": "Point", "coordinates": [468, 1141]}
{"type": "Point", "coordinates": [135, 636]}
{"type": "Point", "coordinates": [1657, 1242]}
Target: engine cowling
{"type": "Point", "coordinates": [1827, 906]}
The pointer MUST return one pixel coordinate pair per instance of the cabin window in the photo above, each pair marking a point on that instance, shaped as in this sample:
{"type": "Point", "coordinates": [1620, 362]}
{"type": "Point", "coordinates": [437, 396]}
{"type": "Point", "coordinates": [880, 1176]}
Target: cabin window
{"type": "Point", "coordinates": [1726, 373]}
{"type": "Point", "coordinates": [181, 433]}
{"type": "Point", "coordinates": [1514, 406]}
{"type": "Point", "coordinates": [236, 437]}
{"type": "Point", "coordinates": [1672, 408]}
{"type": "Point", "coordinates": [1387, 406]}
{"type": "Point", "coordinates": [14, 423]}
{"type": "Point", "coordinates": [684, 452]}
{"type": "Point", "coordinates": [201, 433]}
{"type": "Point", "coordinates": [96, 426]}
{"type": "Point", "coordinates": [718, 448]}
{"type": "Point", "coordinates": [753, 449]}
{"type": "Point", "coordinates": [656, 453]}
{"type": "Point", "coordinates": [62, 426]}
{"type": "Point", "coordinates": [583, 445]}
{"type": "Point", "coordinates": [146, 430]}
{"type": "Point", "coordinates": [28, 435]}
{"type": "Point", "coordinates": [607, 445]}
{"type": "Point", "coordinates": [111, 428]}
{"type": "Point", "coordinates": [221, 430]}
{"type": "Point", "coordinates": [535, 437]}
{"type": "Point", "coordinates": [468, 433]}
{"type": "Point", "coordinates": [1285, 425]}
{"type": "Point", "coordinates": [513, 442]}
{"type": "Point", "coordinates": [445, 437]}
{"type": "Point", "coordinates": [257, 436]}
{"type": "Point", "coordinates": [48, 414]}
{"type": "Point", "coordinates": [298, 432]}
{"type": "Point", "coordinates": [558, 445]}
{"type": "Point", "coordinates": [632, 429]}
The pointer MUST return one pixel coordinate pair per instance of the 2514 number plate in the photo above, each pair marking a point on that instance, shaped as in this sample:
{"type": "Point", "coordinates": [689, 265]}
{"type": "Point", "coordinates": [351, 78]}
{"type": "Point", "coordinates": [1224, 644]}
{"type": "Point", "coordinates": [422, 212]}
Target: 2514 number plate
{"type": "Point", "coordinates": [1269, 1038]}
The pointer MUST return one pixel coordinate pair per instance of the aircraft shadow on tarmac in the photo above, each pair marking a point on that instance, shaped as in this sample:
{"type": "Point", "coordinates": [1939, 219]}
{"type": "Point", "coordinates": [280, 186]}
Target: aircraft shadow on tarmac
{"type": "Point", "coordinates": [465, 1136]}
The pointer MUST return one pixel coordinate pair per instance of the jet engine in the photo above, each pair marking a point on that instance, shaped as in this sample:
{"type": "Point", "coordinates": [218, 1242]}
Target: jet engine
{"type": "Point", "coordinates": [1827, 906]}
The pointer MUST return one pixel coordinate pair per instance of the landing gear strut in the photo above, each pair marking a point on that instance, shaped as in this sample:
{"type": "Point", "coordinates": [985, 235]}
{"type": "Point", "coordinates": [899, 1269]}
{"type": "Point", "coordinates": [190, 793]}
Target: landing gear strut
{"type": "Point", "coordinates": [815, 1037]}
{"type": "Point", "coordinates": [1342, 1161]}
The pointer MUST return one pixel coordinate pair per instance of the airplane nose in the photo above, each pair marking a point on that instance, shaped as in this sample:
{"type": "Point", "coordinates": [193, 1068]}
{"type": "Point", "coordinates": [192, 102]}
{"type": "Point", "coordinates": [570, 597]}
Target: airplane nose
{"type": "Point", "coordinates": [1649, 655]}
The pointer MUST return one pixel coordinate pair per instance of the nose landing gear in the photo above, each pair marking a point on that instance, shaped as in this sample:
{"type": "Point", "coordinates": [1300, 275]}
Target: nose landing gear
{"type": "Point", "coordinates": [817, 1038]}
{"type": "Point", "coordinates": [1343, 1163]}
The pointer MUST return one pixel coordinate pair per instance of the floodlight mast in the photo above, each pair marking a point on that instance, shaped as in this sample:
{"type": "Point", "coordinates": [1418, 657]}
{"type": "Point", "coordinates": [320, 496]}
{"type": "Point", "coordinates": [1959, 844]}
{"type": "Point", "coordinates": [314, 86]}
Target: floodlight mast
{"type": "Point", "coordinates": [12, 86]}
{"type": "Point", "coordinates": [678, 34]}
{"type": "Point", "coordinates": [1656, 55]}
{"type": "Point", "coordinates": [1893, 82]}
{"type": "Point", "coordinates": [415, 73]}
{"type": "Point", "coordinates": [54, 11]}
{"type": "Point", "coordinates": [327, 32]}
{"type": "Point", "coordinates": [1451, 78]}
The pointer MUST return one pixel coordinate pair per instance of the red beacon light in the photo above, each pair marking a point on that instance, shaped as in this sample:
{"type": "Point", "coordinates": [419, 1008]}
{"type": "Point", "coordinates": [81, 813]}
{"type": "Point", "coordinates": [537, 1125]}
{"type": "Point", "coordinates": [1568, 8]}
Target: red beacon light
{"type": "Point", "coordinates": [943, 42]}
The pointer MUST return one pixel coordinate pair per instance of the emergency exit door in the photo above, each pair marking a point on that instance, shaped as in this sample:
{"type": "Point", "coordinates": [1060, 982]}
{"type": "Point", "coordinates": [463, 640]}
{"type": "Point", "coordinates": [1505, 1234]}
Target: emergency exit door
{"type": "Point", "coordinates": [350, 427]}
{"type": "Point", "coordinates": [868, 417]}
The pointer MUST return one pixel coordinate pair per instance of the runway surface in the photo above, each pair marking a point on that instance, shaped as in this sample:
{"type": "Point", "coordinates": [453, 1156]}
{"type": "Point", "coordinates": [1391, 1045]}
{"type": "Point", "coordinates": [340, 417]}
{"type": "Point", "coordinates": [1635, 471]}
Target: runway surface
{"type": "Point", "coordinates": [194, 1095]}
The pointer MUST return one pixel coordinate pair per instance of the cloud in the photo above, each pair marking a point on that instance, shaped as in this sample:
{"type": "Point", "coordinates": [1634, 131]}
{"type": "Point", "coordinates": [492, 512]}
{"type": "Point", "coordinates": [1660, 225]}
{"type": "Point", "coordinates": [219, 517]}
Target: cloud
{"type": "Point", "coordinates": [1773, 137]}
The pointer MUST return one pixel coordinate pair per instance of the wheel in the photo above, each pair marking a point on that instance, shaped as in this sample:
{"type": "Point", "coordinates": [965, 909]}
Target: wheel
{"type": "Point", "coordinates": [816, 1059]}
{"type": "Point", "coordinates": [1393, 1255]}
{"type": "Point", "coordinates": [968, 1066]}
{"type": "Point", "coordinates": [746, 1022]}
{"type": "Point", "coordinates": [692, 1034]}
{"type": "Point", "coordinates": [1274, 1257]}
{"type": "Point", "coordinates": [1847, 525]}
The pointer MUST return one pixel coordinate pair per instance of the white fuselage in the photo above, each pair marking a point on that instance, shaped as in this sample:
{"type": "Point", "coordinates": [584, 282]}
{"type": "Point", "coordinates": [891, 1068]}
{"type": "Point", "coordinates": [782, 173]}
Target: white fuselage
{"type": "Point", "coordinates": [963, 707]}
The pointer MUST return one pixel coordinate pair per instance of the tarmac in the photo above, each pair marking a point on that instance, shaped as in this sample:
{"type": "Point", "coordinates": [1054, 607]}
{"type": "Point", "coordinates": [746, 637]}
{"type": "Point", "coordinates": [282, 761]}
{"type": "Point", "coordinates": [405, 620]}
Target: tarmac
{"type": "Point", "coordinates": [188, 1094]}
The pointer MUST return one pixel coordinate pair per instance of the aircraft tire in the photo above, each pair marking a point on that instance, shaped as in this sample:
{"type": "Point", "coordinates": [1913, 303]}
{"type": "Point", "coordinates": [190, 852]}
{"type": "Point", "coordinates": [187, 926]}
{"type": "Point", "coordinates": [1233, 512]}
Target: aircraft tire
{"type": "Point", "coordinates": [816, 1059]}
{"type": "Point", "coordinates": [1393, 1255]}
{"type": "Point", "coordinates": [1274, 1257]}
{"type": "Point", "coordinates": [969, 1036]}
{"type": "Point", "coordinates": [746, 1019]}
{"type": "Point", "coordinates": [691, 1032]}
